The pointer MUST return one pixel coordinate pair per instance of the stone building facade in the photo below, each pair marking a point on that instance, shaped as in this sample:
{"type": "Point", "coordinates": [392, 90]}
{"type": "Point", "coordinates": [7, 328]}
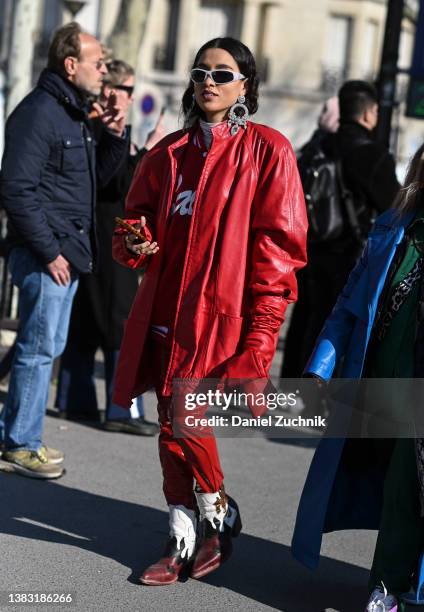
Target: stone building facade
{"type": "Point", "coordinates": [304, 50]}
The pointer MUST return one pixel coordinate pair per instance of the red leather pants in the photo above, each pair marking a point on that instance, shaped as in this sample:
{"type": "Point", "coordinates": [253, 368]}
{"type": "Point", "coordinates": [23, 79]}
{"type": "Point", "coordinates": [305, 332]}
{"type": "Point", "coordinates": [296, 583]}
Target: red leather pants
{"type": "Point", "coordinates": [183, 460]}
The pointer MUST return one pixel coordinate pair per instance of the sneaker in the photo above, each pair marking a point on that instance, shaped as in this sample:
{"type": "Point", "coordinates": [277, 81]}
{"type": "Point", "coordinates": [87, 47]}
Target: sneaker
{"type": "Point", "coordinates": [381, 601]}
{"type": "Point", "coordinates": [139, 427]}
{"type": "Point", "coordinates": [53, 455]}
{"type": "Point", "coordinates": [32, 464]}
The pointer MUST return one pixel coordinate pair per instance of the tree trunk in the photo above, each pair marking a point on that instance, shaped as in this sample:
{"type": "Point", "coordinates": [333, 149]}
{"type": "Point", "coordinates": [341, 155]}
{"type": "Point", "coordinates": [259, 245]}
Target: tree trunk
{"type": "Point", "coordinates": [128, 30]}
{"type": "Point", "coordinates": [25, 20]}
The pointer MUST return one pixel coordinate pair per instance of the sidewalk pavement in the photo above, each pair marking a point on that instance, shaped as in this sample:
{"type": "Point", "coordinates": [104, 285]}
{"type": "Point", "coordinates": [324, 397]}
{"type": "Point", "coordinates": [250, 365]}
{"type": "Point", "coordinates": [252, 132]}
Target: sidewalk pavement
{"type": "Point", "coordinates": [93, 531]}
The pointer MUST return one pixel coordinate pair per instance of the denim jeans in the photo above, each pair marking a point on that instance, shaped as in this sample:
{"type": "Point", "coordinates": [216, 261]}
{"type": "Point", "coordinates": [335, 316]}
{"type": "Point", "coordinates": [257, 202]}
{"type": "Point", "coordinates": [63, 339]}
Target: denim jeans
{"type": "Point", "coordinates": [44, 313]}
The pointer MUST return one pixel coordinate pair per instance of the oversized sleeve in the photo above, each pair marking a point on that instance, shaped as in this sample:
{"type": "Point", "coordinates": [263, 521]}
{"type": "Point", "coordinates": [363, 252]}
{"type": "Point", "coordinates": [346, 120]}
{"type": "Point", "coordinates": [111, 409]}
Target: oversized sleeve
{"type": "Point", "coordinates": [279, 228]}
{"type": "Point", "coordinates": [142, 200]}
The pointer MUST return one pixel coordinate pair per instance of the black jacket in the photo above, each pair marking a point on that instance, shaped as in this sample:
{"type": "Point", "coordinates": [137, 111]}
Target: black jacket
{"type": "Point", "coordinates": [369, 168]}
{"type": "Point", "coordinates": [49, 171]}
{"type": "Point", "coordinates": [368, 171]}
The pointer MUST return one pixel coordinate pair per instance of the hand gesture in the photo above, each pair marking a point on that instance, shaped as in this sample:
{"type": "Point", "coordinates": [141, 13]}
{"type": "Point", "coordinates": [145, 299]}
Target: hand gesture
{"type": "Point", "coordinates": [140, 248]}
{"type": "Point", "coordinates": [112, 115]}
{"type": "Point", "coordinates": [156, 134]}
{"type": "Point", "coordinates": [60, 271]}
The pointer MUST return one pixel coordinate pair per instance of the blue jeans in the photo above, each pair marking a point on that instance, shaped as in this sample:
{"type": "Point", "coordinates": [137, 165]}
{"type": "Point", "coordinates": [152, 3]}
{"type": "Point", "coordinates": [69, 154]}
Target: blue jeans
{"type": "Point", "coordinates": [44, 313]}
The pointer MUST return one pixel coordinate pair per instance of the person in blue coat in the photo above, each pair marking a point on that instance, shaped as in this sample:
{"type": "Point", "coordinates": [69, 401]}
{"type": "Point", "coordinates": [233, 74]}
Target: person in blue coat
{"type": "Point", "coordinates": [374, 331]}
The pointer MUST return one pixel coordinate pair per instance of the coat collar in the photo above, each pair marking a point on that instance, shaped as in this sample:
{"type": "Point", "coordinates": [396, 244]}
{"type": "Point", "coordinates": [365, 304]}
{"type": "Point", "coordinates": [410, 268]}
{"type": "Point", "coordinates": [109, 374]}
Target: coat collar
{"type": "Point", "coordinates": [392, 221]}
{"type": "Point", "coordinates": [220, 132]}
{"type": "Point", "coordinates": [387, 234]}
{"type": "Point", "coordinates": [355, 130]}
{"type": "Point", "coordinates": [63, 91]}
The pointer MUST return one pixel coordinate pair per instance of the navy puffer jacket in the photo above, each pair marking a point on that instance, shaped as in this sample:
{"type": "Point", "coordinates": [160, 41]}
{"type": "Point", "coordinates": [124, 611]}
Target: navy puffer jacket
{"type": "Point", "coordinates": [49, 170]}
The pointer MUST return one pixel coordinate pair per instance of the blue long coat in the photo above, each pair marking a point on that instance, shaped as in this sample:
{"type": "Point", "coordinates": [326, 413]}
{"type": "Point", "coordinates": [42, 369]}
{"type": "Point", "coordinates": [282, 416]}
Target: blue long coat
{"type": "Point", "coordinates": [332, 497]}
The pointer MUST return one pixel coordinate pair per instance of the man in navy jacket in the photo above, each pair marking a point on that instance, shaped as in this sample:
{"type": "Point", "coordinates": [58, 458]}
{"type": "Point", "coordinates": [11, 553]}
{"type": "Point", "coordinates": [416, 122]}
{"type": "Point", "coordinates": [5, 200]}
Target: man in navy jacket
{"type": "Point", "coordinates": [50, 169]}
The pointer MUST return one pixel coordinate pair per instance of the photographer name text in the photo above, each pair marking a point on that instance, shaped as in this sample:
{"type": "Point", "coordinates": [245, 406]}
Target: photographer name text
{"type": "Point", "coordinates": [270, 420]}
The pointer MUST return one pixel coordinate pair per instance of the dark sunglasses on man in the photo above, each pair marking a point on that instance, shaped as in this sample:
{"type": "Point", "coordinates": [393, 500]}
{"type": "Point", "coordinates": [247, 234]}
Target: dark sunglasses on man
{"type": "Point", "coordinates": [128, 88]}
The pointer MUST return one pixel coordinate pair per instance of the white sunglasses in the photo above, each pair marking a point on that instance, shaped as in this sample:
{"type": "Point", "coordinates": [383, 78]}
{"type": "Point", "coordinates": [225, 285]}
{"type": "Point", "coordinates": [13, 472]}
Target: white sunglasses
{"type": "Point", "coordinates": [219, 77]}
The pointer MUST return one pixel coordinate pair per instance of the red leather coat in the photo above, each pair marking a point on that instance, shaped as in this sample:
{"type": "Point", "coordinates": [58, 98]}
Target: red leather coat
{"type": "Point", "coordinates": [247, 239]}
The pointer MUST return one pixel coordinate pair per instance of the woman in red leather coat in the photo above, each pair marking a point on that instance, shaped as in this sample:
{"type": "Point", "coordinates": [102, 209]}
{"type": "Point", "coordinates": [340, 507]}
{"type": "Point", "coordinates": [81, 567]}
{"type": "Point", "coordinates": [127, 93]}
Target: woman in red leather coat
{"type": "Point", "coordinates": [221, 206]}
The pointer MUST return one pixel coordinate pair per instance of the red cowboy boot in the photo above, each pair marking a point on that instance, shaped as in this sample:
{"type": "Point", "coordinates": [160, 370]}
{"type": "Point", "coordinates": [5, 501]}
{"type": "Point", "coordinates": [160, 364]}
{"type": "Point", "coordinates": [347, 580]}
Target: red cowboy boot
{"type": "Point", "coordinates": [220, 522]}
{"type": "Point", "coordinates": [179, 548]}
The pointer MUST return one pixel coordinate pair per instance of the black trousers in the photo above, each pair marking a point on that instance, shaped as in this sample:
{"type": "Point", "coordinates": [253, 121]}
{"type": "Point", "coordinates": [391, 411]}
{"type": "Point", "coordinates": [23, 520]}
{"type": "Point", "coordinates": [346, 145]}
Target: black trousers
{"type": "Point", "coordinates": [320, 283]}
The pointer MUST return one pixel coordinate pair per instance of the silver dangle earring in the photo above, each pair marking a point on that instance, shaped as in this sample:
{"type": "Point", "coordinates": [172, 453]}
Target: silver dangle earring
{"type": "Point", "coordinates": [238, 115]}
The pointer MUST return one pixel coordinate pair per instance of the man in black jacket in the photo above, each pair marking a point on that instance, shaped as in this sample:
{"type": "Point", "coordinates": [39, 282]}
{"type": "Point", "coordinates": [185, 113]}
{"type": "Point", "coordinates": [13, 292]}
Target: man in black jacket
{"type": "Point", "coordinates": [48, 184]}
{"type": "Point", "coordinates": [369, 172]}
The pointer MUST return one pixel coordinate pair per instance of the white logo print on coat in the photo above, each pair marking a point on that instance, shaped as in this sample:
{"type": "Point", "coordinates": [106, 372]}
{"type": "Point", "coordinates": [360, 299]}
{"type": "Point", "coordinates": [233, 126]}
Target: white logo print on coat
{"type": "Point", "coordinates": [184, 202]}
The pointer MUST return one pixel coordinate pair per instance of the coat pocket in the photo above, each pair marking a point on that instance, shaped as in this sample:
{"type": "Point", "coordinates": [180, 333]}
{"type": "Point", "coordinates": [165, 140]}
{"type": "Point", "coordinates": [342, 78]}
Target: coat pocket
{"type": "Point", "coordinates": [74, 156]}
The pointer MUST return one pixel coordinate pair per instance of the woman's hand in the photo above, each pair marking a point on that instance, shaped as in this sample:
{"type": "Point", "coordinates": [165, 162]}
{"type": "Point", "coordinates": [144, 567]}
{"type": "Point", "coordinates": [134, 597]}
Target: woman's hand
{"type": "Point", "coordinates": [134, 245]}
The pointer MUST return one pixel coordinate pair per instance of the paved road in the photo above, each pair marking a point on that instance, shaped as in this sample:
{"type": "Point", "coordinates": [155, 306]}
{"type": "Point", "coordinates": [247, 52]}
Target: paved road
{"type": "Point", "coordinates": [95, 529]}
{"type": "Point", "coordinates": [92, 531]}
